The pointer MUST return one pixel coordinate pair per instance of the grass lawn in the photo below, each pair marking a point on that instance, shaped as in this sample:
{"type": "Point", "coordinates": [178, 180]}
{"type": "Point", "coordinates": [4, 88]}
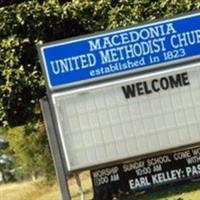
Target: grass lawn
{"type": "Point", "coordinates": [34, 191]}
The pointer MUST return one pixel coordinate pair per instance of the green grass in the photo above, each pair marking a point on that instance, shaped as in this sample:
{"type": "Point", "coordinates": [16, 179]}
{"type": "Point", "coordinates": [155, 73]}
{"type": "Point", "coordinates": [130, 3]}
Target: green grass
{"type": "Point", "coordinates": [33, 191]}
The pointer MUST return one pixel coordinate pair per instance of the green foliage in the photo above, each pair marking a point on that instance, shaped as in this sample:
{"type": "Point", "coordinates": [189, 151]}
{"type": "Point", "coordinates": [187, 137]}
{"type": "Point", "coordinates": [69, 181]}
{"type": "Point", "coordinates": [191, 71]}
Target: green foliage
{"type": "Point", "coordinates": [22, 28]}
{"type": "Point", "coordinates": [29, 147]}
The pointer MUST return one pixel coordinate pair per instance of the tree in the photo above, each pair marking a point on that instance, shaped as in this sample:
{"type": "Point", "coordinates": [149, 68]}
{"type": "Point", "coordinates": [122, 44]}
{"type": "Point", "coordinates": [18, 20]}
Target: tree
{"type": "Point", "coordinates": [24, 26]}
{"type": "Point", "coordinates": [29, 147]}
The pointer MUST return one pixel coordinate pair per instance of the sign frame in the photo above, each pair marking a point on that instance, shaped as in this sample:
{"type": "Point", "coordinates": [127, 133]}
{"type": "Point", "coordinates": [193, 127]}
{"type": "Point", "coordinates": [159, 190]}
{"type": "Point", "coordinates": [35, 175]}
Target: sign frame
{"type": "Point", "coordinates": [103, 85]}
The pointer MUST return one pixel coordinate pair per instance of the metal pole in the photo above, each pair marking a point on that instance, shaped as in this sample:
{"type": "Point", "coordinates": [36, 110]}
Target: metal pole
{"type": "Point", "coordinates": [78, 181]}
{"type": "Point", "coordinates": [58, 162]}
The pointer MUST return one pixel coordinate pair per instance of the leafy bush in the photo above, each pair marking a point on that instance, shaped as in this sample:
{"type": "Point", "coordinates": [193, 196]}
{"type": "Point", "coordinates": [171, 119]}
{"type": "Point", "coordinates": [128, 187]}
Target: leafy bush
{"type": "Point", "coordinates": [24, 26]}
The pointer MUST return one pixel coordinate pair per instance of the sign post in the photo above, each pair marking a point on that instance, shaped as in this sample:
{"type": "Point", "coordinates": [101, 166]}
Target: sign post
{"type": "Point", "coordinates": [55, 150]}
{"type": "Point", "coordinates": [123, 94]}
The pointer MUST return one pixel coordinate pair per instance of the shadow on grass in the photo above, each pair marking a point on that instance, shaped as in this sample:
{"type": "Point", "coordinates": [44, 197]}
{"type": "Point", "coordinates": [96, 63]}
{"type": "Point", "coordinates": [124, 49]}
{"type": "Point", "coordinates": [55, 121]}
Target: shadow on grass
{"type": "Point", "coordinates": [167, 192]}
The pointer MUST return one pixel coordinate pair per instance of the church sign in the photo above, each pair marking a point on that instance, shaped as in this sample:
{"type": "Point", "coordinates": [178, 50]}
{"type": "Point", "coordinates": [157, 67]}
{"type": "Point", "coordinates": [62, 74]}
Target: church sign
{"type": "Point", "coordinates": [142, 174]}
{"type": "Point", "coordinates": [126, 51]}
{"type": "Point", "coordinates": [122, 95]}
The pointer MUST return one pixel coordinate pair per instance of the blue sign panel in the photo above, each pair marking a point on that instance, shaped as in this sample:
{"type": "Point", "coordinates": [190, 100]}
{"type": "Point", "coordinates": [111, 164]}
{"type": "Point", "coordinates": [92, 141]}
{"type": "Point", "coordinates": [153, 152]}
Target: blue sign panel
{"type": "Point", "coordinates": [122, 51]}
